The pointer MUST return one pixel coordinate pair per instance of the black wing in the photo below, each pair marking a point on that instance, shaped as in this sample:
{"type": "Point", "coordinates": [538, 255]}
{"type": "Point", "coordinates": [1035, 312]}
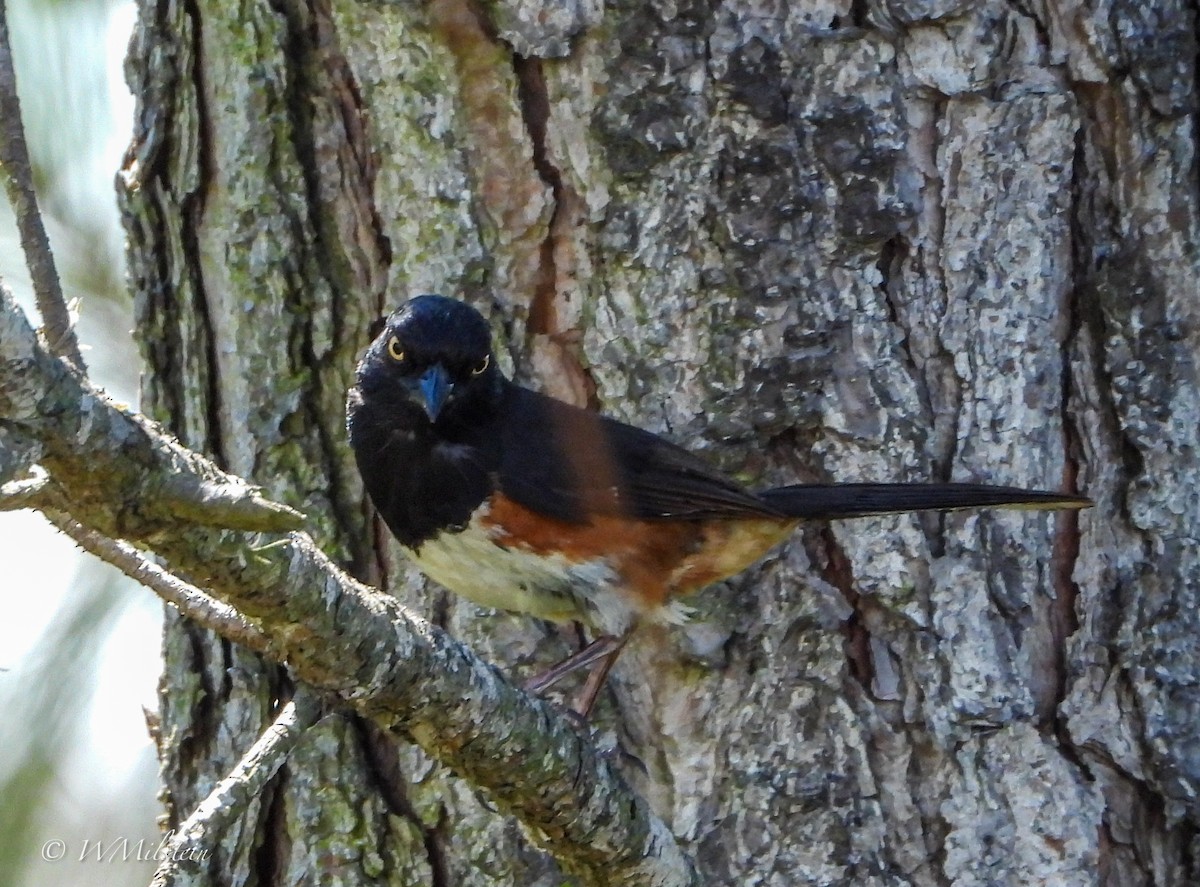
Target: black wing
{"type": "Point", "coordinates": [569, 463]}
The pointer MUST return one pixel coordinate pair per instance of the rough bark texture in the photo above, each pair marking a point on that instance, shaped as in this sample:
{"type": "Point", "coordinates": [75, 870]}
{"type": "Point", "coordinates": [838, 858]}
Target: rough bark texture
{"type": "Point", "coordinates": [840, 241]}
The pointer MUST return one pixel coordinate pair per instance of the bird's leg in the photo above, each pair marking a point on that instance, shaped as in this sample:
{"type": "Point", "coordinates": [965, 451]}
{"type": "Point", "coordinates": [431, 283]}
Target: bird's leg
{"type": "Point", "coordinates": [602, 647]}
{"type": "Point", "coordinates": [586, 698]}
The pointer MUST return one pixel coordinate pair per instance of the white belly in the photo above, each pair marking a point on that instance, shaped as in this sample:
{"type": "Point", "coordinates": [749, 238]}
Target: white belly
{"type": "Point", "coordinates": [472, 564]}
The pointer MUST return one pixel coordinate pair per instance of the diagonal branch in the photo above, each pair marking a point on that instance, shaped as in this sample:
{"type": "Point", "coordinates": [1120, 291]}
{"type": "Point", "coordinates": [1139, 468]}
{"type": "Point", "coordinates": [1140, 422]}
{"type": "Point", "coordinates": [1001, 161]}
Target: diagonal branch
{"type": "Point", "coordinates": [18, 183]}
{"type": "Point", "coordinates": [335, 634]}
{"type": "Point", "coordinates": [189, 600]}
{"type": "Point", "coordinates": [185, 851]}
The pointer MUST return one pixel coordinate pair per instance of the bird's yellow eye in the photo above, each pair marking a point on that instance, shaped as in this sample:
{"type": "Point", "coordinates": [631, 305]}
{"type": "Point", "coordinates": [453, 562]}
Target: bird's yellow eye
{"type": "Point", "coordinates": [395, 352]}
{"type": "Point", "coordinates": [482, 368]}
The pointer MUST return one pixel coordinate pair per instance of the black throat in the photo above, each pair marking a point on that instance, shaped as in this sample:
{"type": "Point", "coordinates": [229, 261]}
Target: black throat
{"type": "Point", "coordinates": [423, 479]}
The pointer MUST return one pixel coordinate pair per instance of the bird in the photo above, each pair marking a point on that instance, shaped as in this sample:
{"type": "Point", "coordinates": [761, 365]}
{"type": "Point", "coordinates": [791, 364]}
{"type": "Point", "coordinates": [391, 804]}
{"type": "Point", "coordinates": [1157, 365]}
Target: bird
{"type": "Point", "coordinates": [524, 503]}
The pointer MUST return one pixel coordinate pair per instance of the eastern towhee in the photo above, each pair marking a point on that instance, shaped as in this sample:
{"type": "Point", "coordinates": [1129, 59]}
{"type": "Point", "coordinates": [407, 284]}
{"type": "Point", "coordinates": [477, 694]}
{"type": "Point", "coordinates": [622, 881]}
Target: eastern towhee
{"type": "Point", "coordinates": [523, 503]}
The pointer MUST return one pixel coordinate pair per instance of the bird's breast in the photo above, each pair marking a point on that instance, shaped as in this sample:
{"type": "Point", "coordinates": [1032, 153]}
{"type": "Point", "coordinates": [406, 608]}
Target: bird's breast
{"type": "Point", "coordinates": [474, 561]}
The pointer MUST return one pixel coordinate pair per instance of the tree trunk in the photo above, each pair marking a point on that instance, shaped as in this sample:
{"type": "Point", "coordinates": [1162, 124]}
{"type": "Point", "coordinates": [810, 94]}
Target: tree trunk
{"type": "Point", "coordinates": [845, 241]}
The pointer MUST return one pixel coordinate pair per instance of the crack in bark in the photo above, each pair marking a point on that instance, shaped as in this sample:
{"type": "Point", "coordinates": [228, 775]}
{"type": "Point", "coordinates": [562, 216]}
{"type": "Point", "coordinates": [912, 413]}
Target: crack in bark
{"type": "Point", "coordinates": [1146, 812]}
{"type": "Point", "coordinates": [352, 262]}
{"type": "Point", "coordinates": [857, 16]}
{"type": "Point", "coordinates": [892, 255]}
{"type": "Point", "coordinates": [838, 572]}
{"type": "Point", "coordinates": [944, 437]}
{"type": "Point", "coordinates": [191, 207]}
{"type": "Point", "coordinates": [1104, 847]}
{"type": "Point", "coordinates": [317, 68]}
{"type": "Point", "coordinates": [534, 100]}
{"type": "Point", "coordinates": [1063, 619]}
{"type": "Point", "coordinates": [1088, 263]}
{"type": "Point", "coordinates": [380, 753]}
{"type": "Point", "coordinates": [272, 852]}
{"type": "Point", "coordinates": [203, 712]}
{"type": "Point", "coordinates": [535, 113]}
{"type": "Point", "coordinates": [1040, 27]}
{"type": "Point", "coordinates": [380, 535]}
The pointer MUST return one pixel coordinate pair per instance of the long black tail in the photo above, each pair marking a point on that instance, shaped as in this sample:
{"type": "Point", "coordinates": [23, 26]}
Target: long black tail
{"type": "Point", "coordinates": [831, 501]}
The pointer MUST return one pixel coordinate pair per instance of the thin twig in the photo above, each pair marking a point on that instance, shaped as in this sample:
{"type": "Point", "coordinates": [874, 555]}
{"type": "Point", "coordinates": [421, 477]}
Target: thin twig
{"type": "Point", "coordinates": [190, 600]}
{"type": "Point", "coordinates": [184, 854]}
{"type": "Point", "coordinates": [18, 183]}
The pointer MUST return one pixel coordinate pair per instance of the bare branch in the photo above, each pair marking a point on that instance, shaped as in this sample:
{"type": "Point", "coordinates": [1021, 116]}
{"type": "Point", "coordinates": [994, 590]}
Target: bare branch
{"type": "Point", "coordinates": [190, 600]}
{"type": "Point", "coordinates": [184, 854]}
{"type": "Point", "coordinates": [336, 634]}
{"type": "Point", "coordinates": [18, 183]}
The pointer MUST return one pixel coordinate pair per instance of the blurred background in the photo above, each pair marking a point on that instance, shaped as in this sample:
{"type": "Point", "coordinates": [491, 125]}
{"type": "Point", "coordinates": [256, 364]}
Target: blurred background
{"type": "Point", "coordinates": [79, 658]}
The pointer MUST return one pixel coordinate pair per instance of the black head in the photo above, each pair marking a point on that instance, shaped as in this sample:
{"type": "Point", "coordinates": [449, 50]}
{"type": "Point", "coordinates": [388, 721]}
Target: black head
{"type": "Point", "coordinates": [433, 353]}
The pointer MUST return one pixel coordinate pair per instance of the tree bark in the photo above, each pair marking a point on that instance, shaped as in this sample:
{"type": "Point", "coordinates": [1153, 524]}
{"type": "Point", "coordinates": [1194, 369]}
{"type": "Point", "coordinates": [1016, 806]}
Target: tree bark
{"type": "Point", "coordinates": [823, 241]}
